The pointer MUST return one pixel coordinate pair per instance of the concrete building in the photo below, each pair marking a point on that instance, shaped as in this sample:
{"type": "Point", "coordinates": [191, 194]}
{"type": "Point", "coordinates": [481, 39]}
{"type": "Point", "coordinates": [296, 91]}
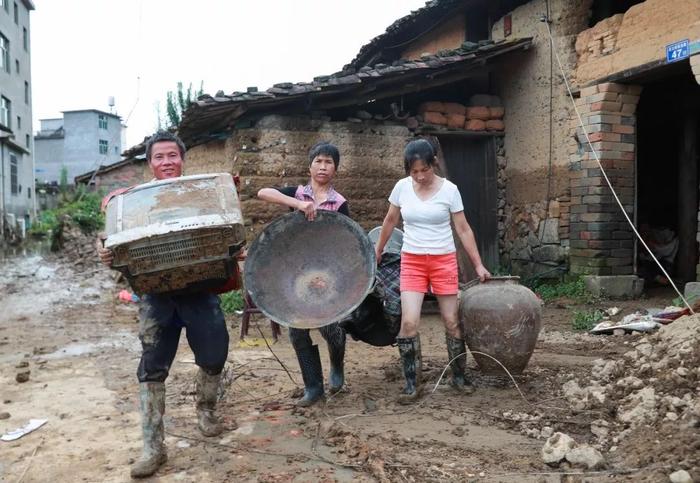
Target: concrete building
{"type": "Point", "coordinates": [80, 141]}
{"type": "Point", "coordinates": [533, 190]}
{"type": "Point", "coordinates": [17, 195]}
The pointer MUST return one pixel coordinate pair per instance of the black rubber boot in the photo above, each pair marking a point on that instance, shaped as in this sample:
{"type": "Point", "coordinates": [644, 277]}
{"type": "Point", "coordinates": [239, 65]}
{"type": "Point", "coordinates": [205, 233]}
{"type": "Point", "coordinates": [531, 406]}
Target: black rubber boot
{"type": "Point", "coordinates": [152, 405]}
{"type": "Point", "coordinates": [336, 354]}
{"type": "Point", "coordinates": [409, 349]}
{"type": "Point", "coordinates": [455, 348]}
{"type": "Point", "coordinates": [312, 373]}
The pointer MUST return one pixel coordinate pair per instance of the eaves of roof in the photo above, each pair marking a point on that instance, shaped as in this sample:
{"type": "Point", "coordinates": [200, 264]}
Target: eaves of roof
{"type": "Point", "coordinates": [214, 114]}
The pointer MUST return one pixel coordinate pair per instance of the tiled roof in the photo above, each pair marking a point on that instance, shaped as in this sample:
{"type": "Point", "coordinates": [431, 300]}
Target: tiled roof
{"type": "Point", "coordinates": [415, 23]}
{"type": "Point", "coordinates": [212, 114]}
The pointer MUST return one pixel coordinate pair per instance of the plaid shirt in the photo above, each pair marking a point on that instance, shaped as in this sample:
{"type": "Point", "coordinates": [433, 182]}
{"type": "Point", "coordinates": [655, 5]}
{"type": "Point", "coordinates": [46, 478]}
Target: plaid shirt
{"type": "Point", "coordinates": [332, 203]}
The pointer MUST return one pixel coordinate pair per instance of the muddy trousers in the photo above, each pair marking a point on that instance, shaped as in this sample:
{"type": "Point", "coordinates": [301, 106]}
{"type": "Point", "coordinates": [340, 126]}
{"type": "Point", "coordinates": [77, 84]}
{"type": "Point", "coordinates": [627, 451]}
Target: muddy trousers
{"type": "Point", "coordinates": [310, 362]}
{"type": "Point", "coordinates": [162, 318]}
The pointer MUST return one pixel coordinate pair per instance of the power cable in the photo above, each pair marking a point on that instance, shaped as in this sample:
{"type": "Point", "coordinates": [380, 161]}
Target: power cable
{"type": "Point", "coordinates": [545, 20]}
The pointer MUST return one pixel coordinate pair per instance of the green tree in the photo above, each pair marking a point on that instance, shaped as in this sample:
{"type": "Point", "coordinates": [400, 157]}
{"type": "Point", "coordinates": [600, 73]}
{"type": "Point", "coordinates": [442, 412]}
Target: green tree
{"type": "Point", "coordinates": [177, 102]}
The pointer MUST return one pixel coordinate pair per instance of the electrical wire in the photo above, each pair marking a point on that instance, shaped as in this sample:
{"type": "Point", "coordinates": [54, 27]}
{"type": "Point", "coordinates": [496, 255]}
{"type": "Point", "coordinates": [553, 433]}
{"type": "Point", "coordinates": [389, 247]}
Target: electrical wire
{"type": "Point", "coordinates": [605, 176]}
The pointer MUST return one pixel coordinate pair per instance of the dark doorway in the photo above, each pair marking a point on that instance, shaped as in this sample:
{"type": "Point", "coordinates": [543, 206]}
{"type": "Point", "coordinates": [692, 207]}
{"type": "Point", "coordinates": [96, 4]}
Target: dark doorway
{"type": "Point", "coordinates": [471, 165]}
{"type": "Point", "coordinates": [667, 175]}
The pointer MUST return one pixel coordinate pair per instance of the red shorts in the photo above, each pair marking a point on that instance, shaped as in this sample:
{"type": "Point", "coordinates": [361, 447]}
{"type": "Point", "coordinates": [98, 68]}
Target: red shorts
{"type": "Point", "coordinates": [437, 272]}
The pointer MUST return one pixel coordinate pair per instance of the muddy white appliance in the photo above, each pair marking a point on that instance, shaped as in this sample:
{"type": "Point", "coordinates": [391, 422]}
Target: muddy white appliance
{"type": "Point", "coordinates": [178, 234]}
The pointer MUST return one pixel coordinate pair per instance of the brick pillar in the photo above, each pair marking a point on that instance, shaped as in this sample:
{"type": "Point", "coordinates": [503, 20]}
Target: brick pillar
{"type": "Point", "coordinates": [601, 239]}
{"type": "Point", "coordinates": [695, 58]}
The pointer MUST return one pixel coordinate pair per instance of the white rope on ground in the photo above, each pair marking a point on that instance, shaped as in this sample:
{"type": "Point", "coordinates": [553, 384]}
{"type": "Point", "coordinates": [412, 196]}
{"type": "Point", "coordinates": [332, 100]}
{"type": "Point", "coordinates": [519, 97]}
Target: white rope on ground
{"type": "Point", "coordinates": [502, 367]}
{"type": "Point", "coordinates": [605, 176]}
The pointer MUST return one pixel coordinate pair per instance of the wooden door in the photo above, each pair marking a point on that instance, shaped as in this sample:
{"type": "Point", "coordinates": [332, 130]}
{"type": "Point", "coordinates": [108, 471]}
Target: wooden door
{"type": "Point", "coordinates": [471, 165]}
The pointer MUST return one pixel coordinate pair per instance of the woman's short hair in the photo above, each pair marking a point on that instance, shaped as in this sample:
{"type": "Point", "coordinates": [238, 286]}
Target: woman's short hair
{"type": "Point", "coordinates": [418, 149]}
{"type": "Point", "coordinates": [327, 149]}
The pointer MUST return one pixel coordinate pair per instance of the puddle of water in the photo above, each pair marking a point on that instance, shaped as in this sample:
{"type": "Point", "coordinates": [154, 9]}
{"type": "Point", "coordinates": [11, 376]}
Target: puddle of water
{"type": "Point", "coordinates": [124, 340]}
{"type": "Point", "coordinates": [29, 247]}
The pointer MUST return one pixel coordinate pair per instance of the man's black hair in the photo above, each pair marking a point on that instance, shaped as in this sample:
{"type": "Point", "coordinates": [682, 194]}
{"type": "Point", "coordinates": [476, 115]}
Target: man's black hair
{"type": "Point", "coordinates": [327, 149]}
{"type": "Point", "coordinates": [164, 136]}
{"type": "Point", "coordinates": [418, 149]}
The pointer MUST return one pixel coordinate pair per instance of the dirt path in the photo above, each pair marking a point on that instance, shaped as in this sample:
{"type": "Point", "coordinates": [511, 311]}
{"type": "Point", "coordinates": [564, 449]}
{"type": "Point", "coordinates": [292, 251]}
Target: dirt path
{"type": "Point", "coordinates": [82, 350]}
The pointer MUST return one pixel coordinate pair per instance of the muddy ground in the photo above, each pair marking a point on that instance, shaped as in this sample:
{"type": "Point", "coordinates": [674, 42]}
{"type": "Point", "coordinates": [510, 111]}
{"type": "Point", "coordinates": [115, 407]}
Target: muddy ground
{"type": "Point", "coordinates": [81, 347]}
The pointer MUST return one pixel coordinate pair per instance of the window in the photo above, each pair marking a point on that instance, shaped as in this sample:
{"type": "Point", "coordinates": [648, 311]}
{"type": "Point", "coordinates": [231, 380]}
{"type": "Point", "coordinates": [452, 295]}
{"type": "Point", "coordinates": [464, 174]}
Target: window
{"type": "Point", "coordinates": [16, 13]}
{"type": "Point", "coordinates": [16, 66]}
{"type": "Point", "coordinates": [26, 92]}
{"type": "Point", "coordinates": [6, 5]}
{"type": "Point", "coordinates": [104, 146]}
{"type": "Point", "coordinates": [27, 140]}
{"type": "Point", "coordinates": [29, 193]}
{"type": "Point", "coordinates": [19, 123]}
{"type": "Point", "coordinates": [25, 38]}
{"type": "Point", "coordinates": [116, 149]}
{"type": "Point", "coordinates": [4, 53]}
{"type": "Point", "coordinates": [14, 184]}
{"type": "Point", "coordinates": [102, 121]}
{"type": "Point", "coordinates": [5, 112]}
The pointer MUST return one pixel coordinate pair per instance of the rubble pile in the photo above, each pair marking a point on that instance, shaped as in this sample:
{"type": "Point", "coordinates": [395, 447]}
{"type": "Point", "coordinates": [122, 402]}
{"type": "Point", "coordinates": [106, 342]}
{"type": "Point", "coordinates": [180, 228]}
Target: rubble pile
{"type": "Point", "coordinates": [76, 248]}
{"type": "Point", "coordinates": [649, 399]}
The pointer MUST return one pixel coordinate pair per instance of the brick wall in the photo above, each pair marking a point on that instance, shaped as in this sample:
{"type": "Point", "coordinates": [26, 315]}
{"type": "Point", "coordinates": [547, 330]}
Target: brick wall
{"type": "Point", "coordinates": [274, 152]}
{"type": "Point", "coordinates": [636, 38]}
{"type": "Point", "coordinates": [600, 238]}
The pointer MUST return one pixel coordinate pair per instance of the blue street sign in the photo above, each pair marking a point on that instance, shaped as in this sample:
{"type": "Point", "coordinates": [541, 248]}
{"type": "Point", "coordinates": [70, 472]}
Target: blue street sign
{"type": "Point", "coordinates": [677, 51]}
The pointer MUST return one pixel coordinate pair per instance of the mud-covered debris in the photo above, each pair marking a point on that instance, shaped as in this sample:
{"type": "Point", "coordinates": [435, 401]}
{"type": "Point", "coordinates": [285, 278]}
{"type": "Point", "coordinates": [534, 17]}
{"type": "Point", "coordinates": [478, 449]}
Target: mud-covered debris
{"type": "Point", "coordinates": [556, 447]}
{"type": "Point", "coordinates": [680, 476]}
{"type": "Point", "coordinates": [4, 415]}
{"type": "Point", "coordinates": [22, 376]}
{"type": "Point", "coordinates": [587, 456]}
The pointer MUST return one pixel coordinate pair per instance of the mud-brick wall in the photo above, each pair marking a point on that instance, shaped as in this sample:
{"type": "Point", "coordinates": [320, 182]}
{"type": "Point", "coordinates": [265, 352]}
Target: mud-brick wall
{"type": "Point", "coordinates": [274, 152]}
{"type": "Point", "coordinates": [635, 38]}
{"type": "Point", "coordinates": [124, 176]}
{"type": "Point", "coordinates": [535, 216]}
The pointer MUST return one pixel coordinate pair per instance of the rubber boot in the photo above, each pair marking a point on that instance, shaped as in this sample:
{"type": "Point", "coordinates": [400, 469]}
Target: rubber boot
{"type": "Point", "coordinates": [336, 354]}
{"type": "Point", "coordinates": [207, 395]}
{"type": "Point", "coordinates": [312, 373]}
{"type": "Point", "coordinates": [460, 382]}
{"type": "Point", "coordinates": [409, 349]}
{"type": "Point", "coordinates": [152, 404]}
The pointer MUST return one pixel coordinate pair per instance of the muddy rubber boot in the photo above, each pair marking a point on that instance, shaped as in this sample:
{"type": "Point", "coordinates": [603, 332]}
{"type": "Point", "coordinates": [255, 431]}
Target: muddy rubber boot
{"type": "Point", "coordinates": [152, 404]}
{"type": "Point", "coordinates": [460, 382]}
{"type": "Point", "coordinates": [409, 349]}
{"type": "Point", "coordinates": [336, 353]}
{"type": "Point", "coordinates": [312, 373]}
{"type": "Point", "coordinates": [207, 395]}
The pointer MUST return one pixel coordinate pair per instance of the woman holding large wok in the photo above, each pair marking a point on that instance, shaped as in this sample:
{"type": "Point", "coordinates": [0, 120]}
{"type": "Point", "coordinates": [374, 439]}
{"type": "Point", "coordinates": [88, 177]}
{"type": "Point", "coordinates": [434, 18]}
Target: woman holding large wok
{"type": "Point", "coordinates": [318, 194]}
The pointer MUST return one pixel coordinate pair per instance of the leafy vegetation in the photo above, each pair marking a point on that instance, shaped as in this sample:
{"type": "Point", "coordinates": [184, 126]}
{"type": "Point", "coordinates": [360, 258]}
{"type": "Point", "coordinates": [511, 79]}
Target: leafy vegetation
{"type": "Point", "coordinates": [81, 206]}
{"type": "Point", "coordinates": [573, 289]}
{"type": "Point", "coordinates": [586, 319]}
{"type": "Point", "coordinates": [231, 301]}
{"type": "Point", "coordinates": [176, 103]}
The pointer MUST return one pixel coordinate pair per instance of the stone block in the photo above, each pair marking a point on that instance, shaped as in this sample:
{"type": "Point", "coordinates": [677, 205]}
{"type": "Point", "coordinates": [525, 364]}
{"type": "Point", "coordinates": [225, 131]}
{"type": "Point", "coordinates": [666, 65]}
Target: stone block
{"type": "Point", "coordinates": [692, 290]}
{"type": "Point", "coordinates": [615, 287]}
{"type": "Point", "coordinates": [549, 231]}
{"type": "Point", "coordinates": [549, 253]}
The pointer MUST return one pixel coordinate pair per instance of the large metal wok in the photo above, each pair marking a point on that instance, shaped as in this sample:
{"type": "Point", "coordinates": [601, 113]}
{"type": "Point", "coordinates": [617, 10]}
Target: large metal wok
{"type": "Point", "coordinates": [308, 274]}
